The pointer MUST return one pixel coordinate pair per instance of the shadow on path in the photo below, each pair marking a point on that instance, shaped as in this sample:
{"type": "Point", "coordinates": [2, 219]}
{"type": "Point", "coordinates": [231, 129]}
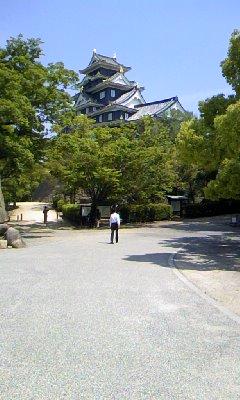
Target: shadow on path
{"type": "Point", "coordinates": [197, 253]}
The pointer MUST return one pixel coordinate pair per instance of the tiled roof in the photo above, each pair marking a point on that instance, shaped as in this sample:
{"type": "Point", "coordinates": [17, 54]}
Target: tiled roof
{"type": "Point", "coordinates": [113, 107]}
{"type": "Point", "coordinates": [104, 60]}
{"type": "Point", "coordinates": [110, 81]}
{"type": "Point", "coordinates": [125, 97]}
{"type": "Point", "coordinates": [109, 60]}
{"type": "Point", "coordinates": [154, 109]}
{"type": "Point", "coordinates": [86, 99]}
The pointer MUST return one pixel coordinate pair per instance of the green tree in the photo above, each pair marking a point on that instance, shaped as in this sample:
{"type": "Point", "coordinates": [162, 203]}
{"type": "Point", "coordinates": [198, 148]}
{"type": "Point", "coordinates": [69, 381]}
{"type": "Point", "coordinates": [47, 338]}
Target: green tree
{"type": "Point", "coordinates": [83, 158]}
{"type": "Point", "coordinates": [231, 64]}
{"type": "Point", "coordinates": [130, 163]}
{"type": "Point", "coordinates": [149, 171]}
{"type": "Point", "coordinates": [226, 184]}
{"type": "Point", "coordinates": [210, 143]}
{"type": "Point", "coordinates": [31, 95]}
{"type": "Point", "coordinates": [214, 106]}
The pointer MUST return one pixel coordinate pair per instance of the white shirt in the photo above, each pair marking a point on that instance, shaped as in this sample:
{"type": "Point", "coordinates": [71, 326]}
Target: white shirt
{"type": "Point", "coordinates": [114, 218]}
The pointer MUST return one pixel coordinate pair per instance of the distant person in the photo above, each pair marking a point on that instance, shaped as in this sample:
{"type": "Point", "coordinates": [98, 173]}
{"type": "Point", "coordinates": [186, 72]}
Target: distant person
{"type": "Point", "coordinates": [114, 224]}
{"type": "Point", "coordinates": [45, 212]}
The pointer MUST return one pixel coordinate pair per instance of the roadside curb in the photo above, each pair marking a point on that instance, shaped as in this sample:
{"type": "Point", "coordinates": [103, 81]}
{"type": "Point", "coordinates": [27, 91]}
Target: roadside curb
{"type": "Point", "coordinates": [199, 292]}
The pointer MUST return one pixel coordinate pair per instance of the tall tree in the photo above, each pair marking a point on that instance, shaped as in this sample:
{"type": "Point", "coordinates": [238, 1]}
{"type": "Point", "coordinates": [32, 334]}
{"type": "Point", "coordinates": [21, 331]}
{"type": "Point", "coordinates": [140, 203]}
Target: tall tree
{"type": "Point", "coordinates": [211, 143]}
{"type": "Point", "coordinates": [31, 95]}
{"type": "Point", "coordinates": [231, 64]}
{"type": "Point", "coordinates": [128, 163]}
{"type": "Point", "coordinates": [226, 184]}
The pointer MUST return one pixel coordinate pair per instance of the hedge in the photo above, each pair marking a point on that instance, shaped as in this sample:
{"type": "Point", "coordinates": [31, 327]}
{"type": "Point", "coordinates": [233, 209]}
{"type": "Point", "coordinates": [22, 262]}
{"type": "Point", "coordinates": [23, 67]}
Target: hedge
{"type": "Point", "coordinates": [72, 212]}
{"type": "Point", "coordinates": [128, 213]}
{"type": "Point", "coordinates": [145, 212]}
{"type": "Point", "coordinates": [208, 208]}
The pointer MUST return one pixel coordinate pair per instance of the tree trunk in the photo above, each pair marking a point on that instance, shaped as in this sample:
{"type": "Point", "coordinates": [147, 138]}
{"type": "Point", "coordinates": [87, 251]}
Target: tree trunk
{"type": "Point", "coordinates": [3, 213]}
{"type": "Point", "coordinates": [93, 215]}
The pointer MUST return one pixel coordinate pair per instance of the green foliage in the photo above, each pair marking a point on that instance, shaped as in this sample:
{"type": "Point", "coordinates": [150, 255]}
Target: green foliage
{"type": "Point", "coordinates": [131, 163]}
{"type": "Point", "coordinates": [226, 184]}
{"type": "Point", "coordinates": [31, 95]}
{"type": "Point", "coordinates": [196, 144]}
{"type": "Point", "coordinates": [210, 145]}
{"type": "Point", "coordinates": [174, 120]}
{"type": "Point", "coordinates": [72, 212]}
{"type": "Point", "coordinates": [216, 105]}
{"type": "Point", "coordinates": [231, 64]}
{"type": "Point", "coordinates": [209, 208]}
{"type": "Point", "coordinates": [60, 204]}
{"type": "Point", "coordinates": [145, 212]}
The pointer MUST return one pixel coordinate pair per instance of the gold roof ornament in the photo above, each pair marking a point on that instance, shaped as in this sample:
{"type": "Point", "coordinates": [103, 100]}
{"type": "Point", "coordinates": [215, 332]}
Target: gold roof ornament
{"type": "Point", "coordinates": [121, 69]}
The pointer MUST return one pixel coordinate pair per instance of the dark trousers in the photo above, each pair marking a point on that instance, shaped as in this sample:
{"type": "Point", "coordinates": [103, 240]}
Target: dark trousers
{"type": "Point", "coordinates": [114, 227]}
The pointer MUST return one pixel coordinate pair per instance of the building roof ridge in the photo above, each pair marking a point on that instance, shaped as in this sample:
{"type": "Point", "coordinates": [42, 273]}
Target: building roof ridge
{"type": "Point", "coordinates": [175, 98]}
{"type": "Point", "coordinates": [126, 96]}
{"type": "Point", "coordinates": [102, 55]}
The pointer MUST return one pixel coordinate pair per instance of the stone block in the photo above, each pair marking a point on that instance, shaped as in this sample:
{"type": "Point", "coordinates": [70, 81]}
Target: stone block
{"type": "Point", "coordinates": [14, 239]}
{"type": "Point", "coordinates": [3, 244]}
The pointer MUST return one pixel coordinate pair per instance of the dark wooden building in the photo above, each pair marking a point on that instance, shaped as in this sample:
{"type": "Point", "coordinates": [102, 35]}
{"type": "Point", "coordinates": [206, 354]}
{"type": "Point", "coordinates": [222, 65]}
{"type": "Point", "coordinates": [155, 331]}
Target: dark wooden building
{"type": "Point", "coordinates": [107, 95]}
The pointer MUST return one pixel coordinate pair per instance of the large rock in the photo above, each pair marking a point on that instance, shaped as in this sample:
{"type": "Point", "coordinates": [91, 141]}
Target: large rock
{"type": "Point", "coordinates": [3, 229]}
{"type": "Point", "coordinates": [14, 238]}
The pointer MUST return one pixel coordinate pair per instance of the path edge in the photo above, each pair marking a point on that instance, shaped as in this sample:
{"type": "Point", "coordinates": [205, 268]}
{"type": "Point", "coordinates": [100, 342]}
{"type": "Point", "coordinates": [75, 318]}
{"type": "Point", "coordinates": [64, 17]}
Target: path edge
{"type": "Point", "coordinates": [198, 291]}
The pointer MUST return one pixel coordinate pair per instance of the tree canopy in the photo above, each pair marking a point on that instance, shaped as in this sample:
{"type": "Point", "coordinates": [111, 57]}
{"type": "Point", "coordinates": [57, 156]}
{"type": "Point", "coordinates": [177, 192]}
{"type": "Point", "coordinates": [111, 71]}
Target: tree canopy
{"type": "Point", "coordinates": [31, 95]}
{"type": "Point", "coordinates": [231, 64]}
{"type": "Point", "coordinates": [128, 163]}
{"type": "Point", "coordinates": [211, 143]}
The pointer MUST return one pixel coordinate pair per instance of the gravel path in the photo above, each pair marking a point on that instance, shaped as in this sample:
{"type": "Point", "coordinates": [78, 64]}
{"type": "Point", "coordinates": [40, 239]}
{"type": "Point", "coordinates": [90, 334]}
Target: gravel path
{"type": "Point", "coordinates": [83, 319]}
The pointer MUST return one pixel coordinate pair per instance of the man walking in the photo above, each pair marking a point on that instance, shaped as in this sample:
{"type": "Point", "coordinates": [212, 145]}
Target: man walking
{"type": "Point", "coordinates": [114, 224]}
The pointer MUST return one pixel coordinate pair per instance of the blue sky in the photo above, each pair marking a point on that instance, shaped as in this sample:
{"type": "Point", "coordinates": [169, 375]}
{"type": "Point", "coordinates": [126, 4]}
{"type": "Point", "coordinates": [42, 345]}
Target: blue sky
{"type": "Point", "coordinates": [174, 48]}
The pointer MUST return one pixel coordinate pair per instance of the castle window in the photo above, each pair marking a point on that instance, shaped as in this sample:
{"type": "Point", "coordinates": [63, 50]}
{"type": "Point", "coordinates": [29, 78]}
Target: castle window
{"type": "Point", "coordinates": [110, 117]}
{"type": "Point", "coordinates": [100, 118]}
{"type": "Point", "coordinates": [87, 110]}
{"type": "Point", "coordinates": [126, 116]}
{"type": "Point", "coordinates": [113, 93]}
{"type": "Point", "coordinates": [94, 109]}
{"type": "Point", "coordinates": [102, 95]}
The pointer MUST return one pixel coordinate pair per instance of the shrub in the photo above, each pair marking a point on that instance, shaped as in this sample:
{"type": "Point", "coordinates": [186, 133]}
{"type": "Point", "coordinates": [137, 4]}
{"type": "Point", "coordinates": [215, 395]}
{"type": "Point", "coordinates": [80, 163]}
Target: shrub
{"type": "Point", "coordinates": [145, 212]}
{"type": "Point", "coordinates": [72, 212]}
{"type": "Point", "coordinates": [60, 204]}
{"type": "Point", "coordinates": [208, 208]}
{"type": "Point", "coordinates": [55, 200]}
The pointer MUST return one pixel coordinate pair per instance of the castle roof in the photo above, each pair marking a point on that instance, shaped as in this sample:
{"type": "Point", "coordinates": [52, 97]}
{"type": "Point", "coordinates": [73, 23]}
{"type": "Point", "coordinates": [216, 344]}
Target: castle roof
{"type": "Point", "coordinates": [84, 100]}
{"type": "Point", "coordinates": [117, 80]}
{"type": "Point", "coordinates": [99, 60]}
{"type": "Point", "coordinates": [113, 107]}
{"type": "Point", "coordinates": [127, 97]}
{"type": "Point", "coordinates": [155, 108]}
{"type": "Point", "coordinates": [105, 73]}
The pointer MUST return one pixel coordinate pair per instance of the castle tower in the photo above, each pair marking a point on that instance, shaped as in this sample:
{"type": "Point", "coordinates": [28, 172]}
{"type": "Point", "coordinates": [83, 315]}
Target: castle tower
{"type": "Point", "coordinates": [107, 95]}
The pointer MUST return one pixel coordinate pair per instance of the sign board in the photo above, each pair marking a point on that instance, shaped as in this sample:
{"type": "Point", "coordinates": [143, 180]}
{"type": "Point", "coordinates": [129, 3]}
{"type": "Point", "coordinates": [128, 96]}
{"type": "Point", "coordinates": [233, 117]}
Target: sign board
{"type": "Point", "coordinates": [104, 210]}
{"type": "Point", "coordinates": [85, 210]}
{"type": "Point", "coordinates": [176, 206]}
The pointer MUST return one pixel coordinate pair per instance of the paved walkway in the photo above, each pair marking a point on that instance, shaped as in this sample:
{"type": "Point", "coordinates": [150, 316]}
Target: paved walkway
{"type": "Point", "coordinates": [212, 264]}
{"type": "Point", "coordinates": [32, 212]}
{"type": "Point", "coordinates": [83, 319]}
